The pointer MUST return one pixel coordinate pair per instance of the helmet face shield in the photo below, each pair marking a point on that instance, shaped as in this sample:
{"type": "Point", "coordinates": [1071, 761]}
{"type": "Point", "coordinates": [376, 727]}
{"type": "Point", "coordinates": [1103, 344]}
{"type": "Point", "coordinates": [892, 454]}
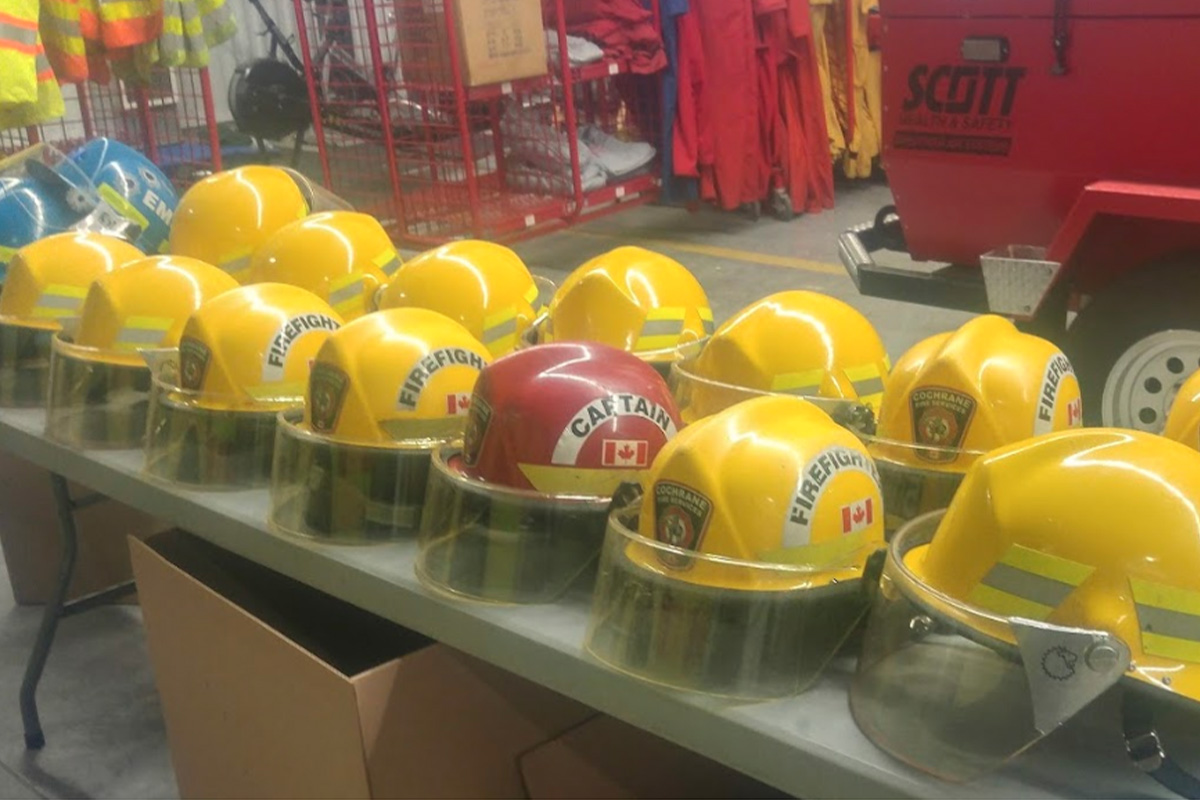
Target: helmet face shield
{"type": "Point", "coordinates": [24, 365]}
{"type": "Point", "coordinates": [699, 397]}
{"type": "Point", "coordinates": [957, 691]}
{"type": "Point", "coordinates": [503, 545]}
{"type": "Point", "coordinates": [206, 441]}
{"type": "Point", "coordinates": [716, 625]}
{"type": "Point", "coordinates": [910, 491]}
{"type": "Point", "coordinates": [94, 403]}
{"type": "Point", "coordinates": [342, 492]}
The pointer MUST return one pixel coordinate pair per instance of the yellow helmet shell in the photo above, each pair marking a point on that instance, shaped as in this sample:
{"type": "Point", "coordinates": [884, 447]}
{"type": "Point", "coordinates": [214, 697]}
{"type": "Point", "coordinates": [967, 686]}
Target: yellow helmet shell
{"type": "Point", "coordinates": [343, 257]}
{"type": "Point", "coordinates": [225, 217]}
{"type": "Point", "coordinates": [145, 304]}
{"type": "Point", "coordinates": [1029, 511]}
{"type": "Point", "coordinates": [253, 345]}
{"type": "Point", "coordinates": [1183, 422]}
{"type": "Point", "coordinates": [48, 280]}
{"type": "Point", "coordinates": [986, 385]}
{"type": "Point", "coordinates": [772, 479]}
{"type": "Point", "coordinates": [404, 373]}
{"type": "Point", "coordinates": [793, 342]}
{"type": "Point", "coordinates": [485, 287]}
{"type": "Point", "coordinates": [633, 299]}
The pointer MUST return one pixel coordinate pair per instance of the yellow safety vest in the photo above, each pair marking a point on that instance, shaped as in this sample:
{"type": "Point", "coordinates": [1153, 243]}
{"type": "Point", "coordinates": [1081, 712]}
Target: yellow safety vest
{"type": "Point", "coordinates": [29, 93]}
{"type": "Point", "coordinates": [60, 26]}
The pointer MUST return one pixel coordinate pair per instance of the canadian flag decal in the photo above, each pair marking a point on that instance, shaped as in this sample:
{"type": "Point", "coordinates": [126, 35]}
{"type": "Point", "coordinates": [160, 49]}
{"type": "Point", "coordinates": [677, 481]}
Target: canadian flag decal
{"type": "Point", "coordinates": [626, 453]}
{"type": "Point", "coordinates": [857, 516]}
{"type": "Point", "coordinates": [1075, 413]}
{"type": "Point", "coordinates": [459, 403]}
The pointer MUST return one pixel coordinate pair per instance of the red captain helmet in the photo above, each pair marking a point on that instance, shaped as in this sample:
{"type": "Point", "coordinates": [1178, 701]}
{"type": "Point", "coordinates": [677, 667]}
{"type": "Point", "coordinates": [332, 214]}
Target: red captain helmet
{"type": "Point", "coordinates": [519, 514]}
{"type": "Point", "coordinates": [569, 418]}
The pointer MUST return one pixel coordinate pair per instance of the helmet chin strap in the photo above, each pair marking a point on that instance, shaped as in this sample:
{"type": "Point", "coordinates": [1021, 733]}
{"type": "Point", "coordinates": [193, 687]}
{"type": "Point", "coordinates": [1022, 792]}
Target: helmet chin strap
{"type": "Point", "coordinates": [1145, 748]}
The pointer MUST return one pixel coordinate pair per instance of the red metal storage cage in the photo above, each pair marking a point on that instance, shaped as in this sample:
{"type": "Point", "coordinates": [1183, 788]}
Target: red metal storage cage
{"type": "Point", "coordinates": [402, 135]}
{"type": "Point", "coordinates": [172, 120]}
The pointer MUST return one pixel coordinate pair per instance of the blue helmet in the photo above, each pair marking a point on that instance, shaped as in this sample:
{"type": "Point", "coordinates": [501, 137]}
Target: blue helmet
{"type": "Point", "coordinates": [133, 187]}
{"type": "Point", "coordinates": [41, 194]}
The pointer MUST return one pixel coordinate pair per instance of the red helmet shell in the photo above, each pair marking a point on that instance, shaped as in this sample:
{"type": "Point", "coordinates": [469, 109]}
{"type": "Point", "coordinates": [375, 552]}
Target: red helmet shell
{"type": "Point", "coordinates": [568, 418]}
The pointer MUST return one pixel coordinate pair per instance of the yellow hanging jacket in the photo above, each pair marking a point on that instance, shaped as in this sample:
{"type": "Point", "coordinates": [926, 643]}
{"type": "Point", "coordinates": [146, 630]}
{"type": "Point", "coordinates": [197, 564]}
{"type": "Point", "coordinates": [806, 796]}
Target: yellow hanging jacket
{"type": "Point", "coordinates": [63, 35]}
{"type": "Point", "coordinates": [29, 93]}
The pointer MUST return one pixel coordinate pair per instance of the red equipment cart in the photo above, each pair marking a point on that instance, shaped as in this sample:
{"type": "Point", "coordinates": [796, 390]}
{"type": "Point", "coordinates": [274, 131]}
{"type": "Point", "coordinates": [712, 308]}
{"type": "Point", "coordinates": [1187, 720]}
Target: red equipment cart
{"type": "Point", "coordinates": [1044, 150]}
{"type": "Point", "coordinates": [436, 159]}
{"type": "Point", "coordinates": [172, 120]}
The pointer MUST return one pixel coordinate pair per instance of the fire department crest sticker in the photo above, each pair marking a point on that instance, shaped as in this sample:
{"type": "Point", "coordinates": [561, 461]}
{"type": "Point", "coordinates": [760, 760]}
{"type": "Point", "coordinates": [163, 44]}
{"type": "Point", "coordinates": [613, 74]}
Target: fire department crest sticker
{"type": "Point", "coordinates": [193, 363]}
{"type": "Point", "coordinates": [940, 420]}
{"type": "Point", "coordinates": [327, 387]}
{"type": "Point", "coordinates": [478, 417]}
{"type": "Point", "coordinates": [681, 517]}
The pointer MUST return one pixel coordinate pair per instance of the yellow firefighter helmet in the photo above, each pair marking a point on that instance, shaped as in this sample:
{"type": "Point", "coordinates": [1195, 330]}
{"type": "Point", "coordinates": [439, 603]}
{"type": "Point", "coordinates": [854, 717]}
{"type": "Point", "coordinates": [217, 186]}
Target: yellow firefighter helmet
{"type": "Point", "coordinates": [483, 286]}
{"type": "Point", "coordinates": [1003, 616]}
{"type": "Point", "coordinates": [794, 342]}
{"type": "Point", "coordinates": [225, 217]}
{"type": "Point", "coordinates": [957, 395]}
{"type": "Point", "coordinates": [46, 285]}
{"type": "Point", "coordinates": [632, 299]}
{"type": "Point", "coordinates": [766, 513]}
{"type": "Point", "coordinates": [343, 257]}
{"type": "Point", "coordinates": [100, 381]}
{"type": "Point", "coordinates": [1183, 423]}
{"type": "Point", "coordinates": [384, 391]}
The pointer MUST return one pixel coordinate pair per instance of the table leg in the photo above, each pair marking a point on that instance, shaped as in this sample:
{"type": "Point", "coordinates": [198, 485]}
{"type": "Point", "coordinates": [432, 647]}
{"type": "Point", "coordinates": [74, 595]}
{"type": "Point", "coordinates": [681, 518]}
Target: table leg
{"type": "Point", "coordinates": [34, 738]}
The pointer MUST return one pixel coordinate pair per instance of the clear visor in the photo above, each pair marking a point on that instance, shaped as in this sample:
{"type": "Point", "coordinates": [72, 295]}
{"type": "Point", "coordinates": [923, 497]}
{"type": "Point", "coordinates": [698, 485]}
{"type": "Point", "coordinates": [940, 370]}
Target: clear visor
{"type": "Point", "coordinates": [316, 196]}
{"type": "Point", "coordinates": [699, 397]}
{"type": "Point", "coordinates": [345, 493]}
{"type": "Point", "coordinates": [661, 359]}
{"type": "Point", "coordinates": [909, 490]}
{"type": "Point", "coordinates": [193, 440]}
{"type": "Point", "coordinates": [503, 545]}
{"type": "Point", "coordinates": [956, 691]}
{"type": "Point", "coordinates": [761, 631]}
{"type": "Point", "coordinates": [94, 403]}
{"type": "Point", "coordinates": [24, 366]}
{"type": "Point", "coordinates": [61, 186]}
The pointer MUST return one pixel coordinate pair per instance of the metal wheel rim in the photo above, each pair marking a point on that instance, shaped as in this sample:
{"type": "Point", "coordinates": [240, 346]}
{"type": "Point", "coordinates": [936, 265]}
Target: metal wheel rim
{"type": "Point", "coordinates": [1143, 382]}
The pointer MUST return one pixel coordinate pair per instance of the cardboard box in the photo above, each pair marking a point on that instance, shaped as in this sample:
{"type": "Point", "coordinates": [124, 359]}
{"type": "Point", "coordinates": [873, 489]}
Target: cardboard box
{"type": "Point", "coordinates": [498, 41]}
{"type": "Point", "coordinates": [32, 544]}
{"type": "Point", "coordinates": [607, 758]}
{"type": "Point", "coordinates": [272, 689]}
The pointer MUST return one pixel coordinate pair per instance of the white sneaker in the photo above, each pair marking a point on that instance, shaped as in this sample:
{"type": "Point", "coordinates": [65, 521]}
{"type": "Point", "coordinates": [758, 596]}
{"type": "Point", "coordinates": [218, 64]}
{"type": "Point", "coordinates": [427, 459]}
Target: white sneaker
{"type": "Point", "coordinates": [617, 157]}
{"type": "Point", "coordinates": [579, 50]}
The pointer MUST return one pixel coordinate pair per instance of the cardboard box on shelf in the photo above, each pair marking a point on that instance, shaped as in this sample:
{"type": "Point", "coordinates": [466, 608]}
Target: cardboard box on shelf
{"type": "Point", "coordinates": [32, 546]}
{"type": "Point", "coordinates": [272, 689]}
{"type": "Point", "coordinates": [498, 41]}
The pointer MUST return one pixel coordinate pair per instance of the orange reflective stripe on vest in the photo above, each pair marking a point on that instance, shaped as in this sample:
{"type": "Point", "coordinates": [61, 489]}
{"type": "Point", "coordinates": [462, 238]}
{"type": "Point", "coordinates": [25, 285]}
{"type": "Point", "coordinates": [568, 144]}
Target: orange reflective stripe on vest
{"type": "Point", "coordinates": [125, 23]}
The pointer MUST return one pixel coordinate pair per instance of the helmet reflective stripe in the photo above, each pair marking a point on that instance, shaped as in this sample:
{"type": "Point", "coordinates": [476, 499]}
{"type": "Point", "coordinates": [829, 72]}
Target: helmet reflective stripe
{"type": "Point", "coordinates": [1028, 583]}
{"type": "Point", "coordinates": [235, 262]}
{"type": "Point", "coordinates": [661, 330]}
{"type": "Point", "coordinates": [798, 383]}
{"type": "Point", "coordinates": [867, 381]}
{"type": "Point", "coordinates": [6, 254]}
{"type": "Point", "coordinates": [122, 205]}
{"type": "Point", "coordinates": [59, 300]}
{"type": "Point", "coordinates": [388, 262]}
{"type": "Point", "coordinates": [142, 332]}
{"type": "Point", "coordinates": [500, 331]}
{"type": "Point", "coordinates": [706, 319]}
{"type": "Point", "coordinates": [346, 293]}
{"type": "Point", "coordinates": [1169, 619]}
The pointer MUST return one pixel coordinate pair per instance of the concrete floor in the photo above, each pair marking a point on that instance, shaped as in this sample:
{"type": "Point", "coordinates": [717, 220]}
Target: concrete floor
{"type": "Point", "coordinates": [98, 702]}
